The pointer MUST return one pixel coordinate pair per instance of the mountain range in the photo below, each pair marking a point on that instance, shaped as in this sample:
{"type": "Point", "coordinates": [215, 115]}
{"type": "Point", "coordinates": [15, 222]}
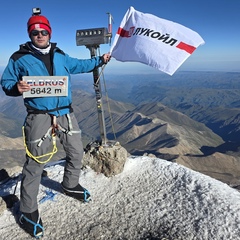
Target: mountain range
{"type": "Point", "coordinates": [191, 118]}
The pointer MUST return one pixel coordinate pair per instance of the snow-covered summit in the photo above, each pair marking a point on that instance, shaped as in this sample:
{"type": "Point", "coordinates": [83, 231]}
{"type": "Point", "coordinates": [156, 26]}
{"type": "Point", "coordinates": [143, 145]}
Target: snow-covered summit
{"type": "Point", "coordinates": [150, 199]}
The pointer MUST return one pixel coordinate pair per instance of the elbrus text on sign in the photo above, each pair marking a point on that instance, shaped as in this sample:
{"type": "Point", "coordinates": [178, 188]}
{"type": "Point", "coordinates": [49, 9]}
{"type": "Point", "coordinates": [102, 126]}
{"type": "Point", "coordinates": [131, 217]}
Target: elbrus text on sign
{"type": "Point", "coordinates": [46, 86]}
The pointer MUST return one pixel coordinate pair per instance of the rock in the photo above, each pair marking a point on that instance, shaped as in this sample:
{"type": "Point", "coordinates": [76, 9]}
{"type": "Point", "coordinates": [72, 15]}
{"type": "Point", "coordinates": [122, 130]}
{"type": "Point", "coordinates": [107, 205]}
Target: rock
{"type": "Point", "coordinates": [149, 155]}
{"type": "Point", "coordinates": [108, 160]}
{"type": "Point", "coordinates": [14, 171]}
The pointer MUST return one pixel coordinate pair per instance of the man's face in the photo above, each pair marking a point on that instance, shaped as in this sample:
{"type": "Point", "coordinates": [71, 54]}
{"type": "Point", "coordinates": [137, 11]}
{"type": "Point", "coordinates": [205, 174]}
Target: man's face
{"type": "Point", "coordinates": [39, 38]}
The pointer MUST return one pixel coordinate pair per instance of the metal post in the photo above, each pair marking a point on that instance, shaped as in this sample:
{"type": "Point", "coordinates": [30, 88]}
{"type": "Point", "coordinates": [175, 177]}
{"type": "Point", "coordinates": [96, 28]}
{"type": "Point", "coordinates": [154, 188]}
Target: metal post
{"type": "Point", "coordinates": [92, 38]}
{"type": "Point", "coordinates": [98, 92]}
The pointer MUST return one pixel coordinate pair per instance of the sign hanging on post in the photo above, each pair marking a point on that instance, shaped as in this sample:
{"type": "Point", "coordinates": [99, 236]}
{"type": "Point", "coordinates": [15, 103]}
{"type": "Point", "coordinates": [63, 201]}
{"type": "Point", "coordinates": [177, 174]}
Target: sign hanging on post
{"type": "Point", "coordinates": [46, 86]}
{"type": "Point", "coordinates": [154, 41]}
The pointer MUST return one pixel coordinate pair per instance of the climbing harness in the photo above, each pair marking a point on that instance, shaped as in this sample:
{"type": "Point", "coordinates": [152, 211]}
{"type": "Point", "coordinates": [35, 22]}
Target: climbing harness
{"type": "Point", "coordinates": [51, 133]}
{"type": "Point", "coordinates": [49, 155]}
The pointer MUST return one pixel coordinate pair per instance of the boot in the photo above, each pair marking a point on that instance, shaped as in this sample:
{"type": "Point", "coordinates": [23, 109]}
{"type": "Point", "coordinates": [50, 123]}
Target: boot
{"type": "Point", "coordinates": [32, 224]}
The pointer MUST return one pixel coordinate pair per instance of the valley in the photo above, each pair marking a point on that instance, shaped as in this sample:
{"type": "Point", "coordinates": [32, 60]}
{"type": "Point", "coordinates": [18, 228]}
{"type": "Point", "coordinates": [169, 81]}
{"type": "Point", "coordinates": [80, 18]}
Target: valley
{"type": "Point", "coordinates": [191, 118]}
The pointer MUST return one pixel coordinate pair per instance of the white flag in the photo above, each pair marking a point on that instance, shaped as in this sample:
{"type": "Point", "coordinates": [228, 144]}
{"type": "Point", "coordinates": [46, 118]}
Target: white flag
{"type": "Point", "coordinates": [154, 41]}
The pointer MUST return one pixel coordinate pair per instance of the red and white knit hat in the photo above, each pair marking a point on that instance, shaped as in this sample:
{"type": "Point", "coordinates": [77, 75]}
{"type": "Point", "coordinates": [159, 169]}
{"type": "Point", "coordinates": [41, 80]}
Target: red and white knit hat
{"type": "Point", "coordinates": [38, 21]}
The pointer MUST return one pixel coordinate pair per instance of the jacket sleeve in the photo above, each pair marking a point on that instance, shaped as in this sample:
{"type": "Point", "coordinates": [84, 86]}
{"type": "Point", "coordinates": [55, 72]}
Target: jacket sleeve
{"type": "Point", "coordinates": [83, 65]}
{"type": "Point", "coordinates": [9, 80]}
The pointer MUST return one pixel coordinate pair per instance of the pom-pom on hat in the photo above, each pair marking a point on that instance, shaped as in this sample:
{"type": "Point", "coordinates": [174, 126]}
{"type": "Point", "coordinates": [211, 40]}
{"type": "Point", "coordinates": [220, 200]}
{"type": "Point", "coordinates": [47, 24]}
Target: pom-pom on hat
{"type": "Point", "coordinates": [38, 21]}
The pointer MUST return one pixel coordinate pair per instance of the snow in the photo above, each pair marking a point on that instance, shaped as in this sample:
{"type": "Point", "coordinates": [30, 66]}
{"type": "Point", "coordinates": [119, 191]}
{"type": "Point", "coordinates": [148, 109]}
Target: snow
{"type": "Point", "coordinates": [151, 199]}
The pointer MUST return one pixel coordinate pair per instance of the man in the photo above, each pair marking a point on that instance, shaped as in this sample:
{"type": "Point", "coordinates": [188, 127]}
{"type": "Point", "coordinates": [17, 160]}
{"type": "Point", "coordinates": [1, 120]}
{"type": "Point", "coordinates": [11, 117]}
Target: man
{"type": "Point", "coordinates": [40, 57]}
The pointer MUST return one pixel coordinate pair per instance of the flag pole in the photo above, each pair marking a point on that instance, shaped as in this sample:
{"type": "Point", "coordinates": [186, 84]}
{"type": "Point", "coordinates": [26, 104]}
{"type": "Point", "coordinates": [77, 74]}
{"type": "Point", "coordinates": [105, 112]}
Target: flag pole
{"type": "Point", "coordinates": [92, 38]}
{"type": "Point", "coordinates": [98, 93]}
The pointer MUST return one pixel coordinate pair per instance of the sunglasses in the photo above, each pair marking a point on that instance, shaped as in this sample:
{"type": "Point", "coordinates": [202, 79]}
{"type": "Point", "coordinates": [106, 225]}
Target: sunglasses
{"type": "Point", "coordinates": [36, 32]}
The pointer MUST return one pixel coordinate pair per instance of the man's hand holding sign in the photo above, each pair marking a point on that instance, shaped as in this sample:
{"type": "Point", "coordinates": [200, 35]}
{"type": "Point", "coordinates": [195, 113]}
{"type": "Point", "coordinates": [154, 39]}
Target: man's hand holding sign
{"type": "Point", "coordinates": [22, 86]}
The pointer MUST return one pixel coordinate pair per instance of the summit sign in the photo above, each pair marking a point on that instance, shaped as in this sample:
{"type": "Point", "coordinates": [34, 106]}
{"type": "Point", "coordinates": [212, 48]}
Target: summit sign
{"type": "Point", "coordinates": [46, 86]}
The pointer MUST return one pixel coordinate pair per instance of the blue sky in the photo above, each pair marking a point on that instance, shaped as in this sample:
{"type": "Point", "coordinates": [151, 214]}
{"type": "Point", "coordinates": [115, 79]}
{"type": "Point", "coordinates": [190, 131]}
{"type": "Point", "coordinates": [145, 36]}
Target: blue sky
{"type": "Point", "coordinates": [217, 21]}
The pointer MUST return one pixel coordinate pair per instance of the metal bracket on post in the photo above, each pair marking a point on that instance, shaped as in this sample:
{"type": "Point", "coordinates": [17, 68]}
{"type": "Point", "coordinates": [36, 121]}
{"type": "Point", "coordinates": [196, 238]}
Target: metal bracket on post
{"type": "Point", "coordinates": [92, 38]}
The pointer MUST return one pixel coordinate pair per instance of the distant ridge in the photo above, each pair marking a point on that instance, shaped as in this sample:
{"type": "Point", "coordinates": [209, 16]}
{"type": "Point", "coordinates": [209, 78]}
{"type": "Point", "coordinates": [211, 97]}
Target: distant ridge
{"type": "Point", "coordinates": [147, 128]}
